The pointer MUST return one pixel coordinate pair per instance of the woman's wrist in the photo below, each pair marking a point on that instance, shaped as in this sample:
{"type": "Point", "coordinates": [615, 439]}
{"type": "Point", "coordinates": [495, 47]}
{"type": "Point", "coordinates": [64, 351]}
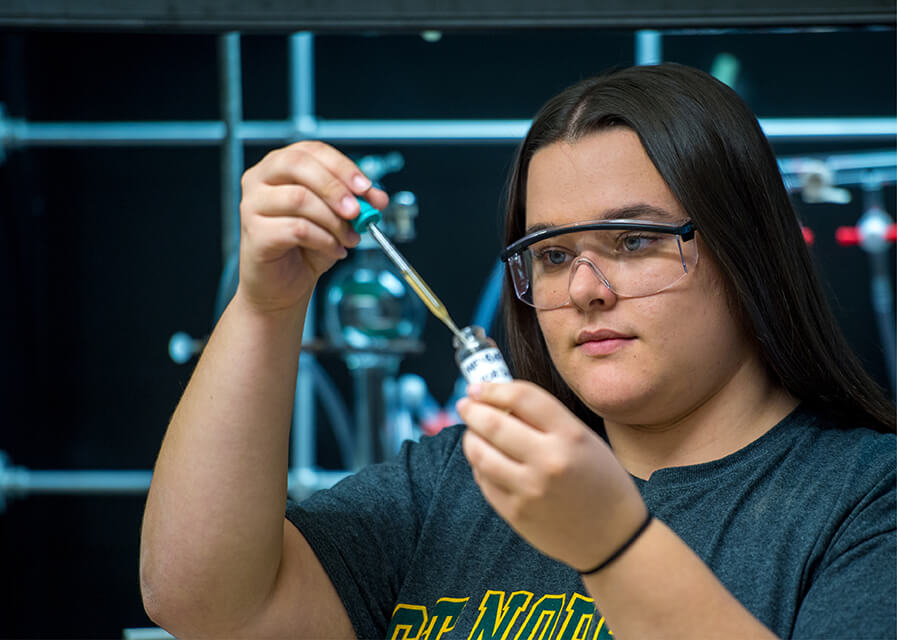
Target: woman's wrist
{"type": "Point", "coordinates": [620, 550]}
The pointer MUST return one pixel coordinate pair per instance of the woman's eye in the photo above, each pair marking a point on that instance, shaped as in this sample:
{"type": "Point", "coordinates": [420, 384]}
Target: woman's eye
{"type": "Point", "coordinates": [634, 243]}
{"type": "Point", "coordinates": [556, 257]}
{"type": "Point", "coordinates": [553, 257]}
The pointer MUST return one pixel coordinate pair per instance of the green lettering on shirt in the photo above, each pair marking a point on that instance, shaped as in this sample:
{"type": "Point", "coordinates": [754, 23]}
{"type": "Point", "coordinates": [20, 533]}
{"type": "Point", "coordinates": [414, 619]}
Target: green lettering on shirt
{"type": "Point", "coordinates": [580, 612]}
{"type": "Point", "coordinates": [499, 615]}
{"type": "Point", "coordinates": [443, 617]}
{"type": "Point", "coordinates": [542, 618]}
{"type": "Point", "coordinates": [494, 623]}
{"type": "Point", "coordinates": [407, 622]}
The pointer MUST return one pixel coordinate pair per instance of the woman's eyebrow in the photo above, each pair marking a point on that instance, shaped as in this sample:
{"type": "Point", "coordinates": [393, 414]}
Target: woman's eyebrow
{"type": "Point", "coordinates": [538, 227]}
{"type": "Point", "coordinates": [638, 211]}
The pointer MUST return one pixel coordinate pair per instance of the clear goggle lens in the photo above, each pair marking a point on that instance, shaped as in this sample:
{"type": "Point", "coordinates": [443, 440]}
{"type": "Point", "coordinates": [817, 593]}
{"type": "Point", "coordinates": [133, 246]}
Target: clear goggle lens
{"type": "Point", "coordinates": [633, 260]}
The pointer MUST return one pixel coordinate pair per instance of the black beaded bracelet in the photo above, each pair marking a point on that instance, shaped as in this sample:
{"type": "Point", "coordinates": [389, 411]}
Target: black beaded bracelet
{"type": "Point", "coordinates": [616, 554]}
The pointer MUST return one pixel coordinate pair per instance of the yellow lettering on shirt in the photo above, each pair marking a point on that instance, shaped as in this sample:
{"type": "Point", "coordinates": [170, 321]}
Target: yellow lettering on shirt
{"type": "Point", "coordinates": [407, 622]}
{"type": "Point", "coordinates": [443, 617]}
{"type": "Point", "coordinates": [496, 618]}
{"type": "Point", "coordinates": [542, 618]}
{"type": "Point", "coordinates": [580, 612]}
{"type": "Point", "coordinates": [499, 616]}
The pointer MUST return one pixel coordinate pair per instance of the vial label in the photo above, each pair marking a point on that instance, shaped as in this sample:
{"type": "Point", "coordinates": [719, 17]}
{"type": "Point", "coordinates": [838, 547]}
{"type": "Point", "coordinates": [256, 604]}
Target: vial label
{"type": "Point", "coordinates": [485, 366]}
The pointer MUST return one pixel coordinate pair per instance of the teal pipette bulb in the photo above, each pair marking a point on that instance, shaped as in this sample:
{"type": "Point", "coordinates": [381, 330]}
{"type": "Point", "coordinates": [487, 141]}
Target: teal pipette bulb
{"type": "Point", "coordinates": [368, 216]}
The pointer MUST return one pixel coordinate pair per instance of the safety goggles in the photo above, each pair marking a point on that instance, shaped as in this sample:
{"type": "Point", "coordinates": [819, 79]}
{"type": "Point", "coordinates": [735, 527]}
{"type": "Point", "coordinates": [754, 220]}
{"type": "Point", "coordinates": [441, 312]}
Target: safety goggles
{"type": "Point", "coordinates": [633, 258]}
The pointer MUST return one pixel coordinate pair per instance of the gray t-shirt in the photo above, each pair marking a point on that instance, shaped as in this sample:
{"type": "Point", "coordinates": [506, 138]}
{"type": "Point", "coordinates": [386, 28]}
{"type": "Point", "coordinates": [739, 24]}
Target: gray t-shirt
{"type": "Point", "coordinates": [799, 526]}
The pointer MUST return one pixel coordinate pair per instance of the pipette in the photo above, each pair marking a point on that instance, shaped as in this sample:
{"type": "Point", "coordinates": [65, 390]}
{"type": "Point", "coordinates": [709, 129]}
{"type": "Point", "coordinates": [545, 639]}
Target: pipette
{"type": "Point", "coordinates": [367, 221]}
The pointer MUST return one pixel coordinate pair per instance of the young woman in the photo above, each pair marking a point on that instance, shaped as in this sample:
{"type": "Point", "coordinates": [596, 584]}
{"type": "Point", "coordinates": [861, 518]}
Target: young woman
{"type": "Point", "coordinates": [690, 449]}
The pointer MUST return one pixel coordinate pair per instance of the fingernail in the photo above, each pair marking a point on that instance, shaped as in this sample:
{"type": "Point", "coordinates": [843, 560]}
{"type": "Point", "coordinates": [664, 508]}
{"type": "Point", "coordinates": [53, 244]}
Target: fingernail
{"type": "Point", "coordinates": [474, 390]}
{"type": "Point", "coordinates": [361, 183]}
{"type": "Point", "coordinates": [353, 237]}
{"type": "Point", "coordinates": [342, 252]}
{"type": "Point", "coordinates": [459, 406]}
{"type": "Point", "coordinates": [349, 204]}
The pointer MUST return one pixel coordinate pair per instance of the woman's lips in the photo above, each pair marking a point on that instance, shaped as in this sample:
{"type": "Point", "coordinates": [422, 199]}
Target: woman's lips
{"type": "Point", "coordinates": [601, 342]}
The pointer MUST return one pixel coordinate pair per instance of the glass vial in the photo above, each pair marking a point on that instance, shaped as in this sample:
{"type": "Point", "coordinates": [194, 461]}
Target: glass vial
{"type": "Point", "coordinates": [478, 357]}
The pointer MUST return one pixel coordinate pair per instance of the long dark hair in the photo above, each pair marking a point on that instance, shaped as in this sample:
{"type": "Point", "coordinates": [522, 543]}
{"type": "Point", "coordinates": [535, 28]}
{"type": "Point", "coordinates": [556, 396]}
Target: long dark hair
{"type": "Point", "coordinates": [709, 148]}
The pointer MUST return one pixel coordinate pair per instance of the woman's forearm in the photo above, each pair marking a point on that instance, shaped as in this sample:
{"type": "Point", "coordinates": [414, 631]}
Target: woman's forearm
{"type": "Point", "coordinates": [660, 588]}
{"type": "Point", "coordinates": [213, 527]}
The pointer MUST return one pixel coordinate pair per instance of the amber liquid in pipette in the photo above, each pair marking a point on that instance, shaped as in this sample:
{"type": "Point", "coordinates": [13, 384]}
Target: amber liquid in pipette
{"type": "Point", "coordinates": [417, 283]}
{"type": "Point", "coordinates": [433, 303]}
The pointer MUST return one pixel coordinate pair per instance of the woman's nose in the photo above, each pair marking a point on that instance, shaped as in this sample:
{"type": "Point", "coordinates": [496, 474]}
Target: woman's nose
{"type": "Point", "coordinates": [588, 287]}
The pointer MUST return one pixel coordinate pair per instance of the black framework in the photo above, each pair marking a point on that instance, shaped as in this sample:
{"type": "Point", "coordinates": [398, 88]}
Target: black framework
{"type": "Point", "coordinates": [352, 15]}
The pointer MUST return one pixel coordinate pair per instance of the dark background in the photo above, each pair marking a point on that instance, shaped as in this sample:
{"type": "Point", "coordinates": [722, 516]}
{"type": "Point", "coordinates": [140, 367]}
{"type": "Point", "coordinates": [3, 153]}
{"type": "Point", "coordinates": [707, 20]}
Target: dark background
{"type": "Point", "coordinates": [106, 252]}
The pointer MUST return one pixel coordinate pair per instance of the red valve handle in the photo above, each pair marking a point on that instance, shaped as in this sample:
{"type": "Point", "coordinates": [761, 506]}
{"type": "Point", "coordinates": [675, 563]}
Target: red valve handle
{"type": "Point", "coordinates": [847, 236]}
{"type": "Point", "coordinates": [850, 236]}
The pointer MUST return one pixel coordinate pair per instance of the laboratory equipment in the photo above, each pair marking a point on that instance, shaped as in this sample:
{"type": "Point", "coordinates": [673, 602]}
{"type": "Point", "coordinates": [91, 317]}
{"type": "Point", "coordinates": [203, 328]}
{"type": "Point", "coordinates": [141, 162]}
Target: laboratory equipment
{"type": "Point", "coordinates": [372, 317]}
{"type": "Point", "coordinates": [367, 221]}
{"type": "Point", "coordinates": [875, 232]}
{"type": "Point", "coordinates": [476, 354]}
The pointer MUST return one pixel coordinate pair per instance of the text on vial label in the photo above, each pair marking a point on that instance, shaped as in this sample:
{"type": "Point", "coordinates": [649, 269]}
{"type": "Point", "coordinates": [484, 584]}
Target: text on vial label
{"type": "Point", "coordinates": [485, 366]}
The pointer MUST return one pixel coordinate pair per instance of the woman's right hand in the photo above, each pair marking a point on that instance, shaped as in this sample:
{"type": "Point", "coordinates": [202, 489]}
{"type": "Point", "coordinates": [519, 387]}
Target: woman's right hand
{"type": "Point", "coordinates": [295, 215]}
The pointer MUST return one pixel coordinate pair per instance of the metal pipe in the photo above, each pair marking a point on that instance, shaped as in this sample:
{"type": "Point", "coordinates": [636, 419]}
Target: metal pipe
{"type": "Point", "coordinates": [302, 82]}
{"type": "Point", "coordinates": [847, 161]}
{"type": "Point", "coordinates": [44, 134]}
{"type": "Point", "coordinates": [230, 95]}
{"type": "Point", "coordinates": [648, 47]}
{"type": "Point", "coordinates": [872, 226]}
{"type": "Point", "coordinates": [231, 100]}
{"type": "Point", "coordinates": [20, 133]}
{"type": "Point", "coordinates": [18, 482]}
{"type": "Point", "coordinates": [146, 633]}
{"type": "Point", "coordinates": [303, 443]}
{"type": "Point", "coordinates": [781, 129]}
{"type": "Point", "coordinates": [423, 131]}
{"type": "Point", "coordinates": [847, 169]}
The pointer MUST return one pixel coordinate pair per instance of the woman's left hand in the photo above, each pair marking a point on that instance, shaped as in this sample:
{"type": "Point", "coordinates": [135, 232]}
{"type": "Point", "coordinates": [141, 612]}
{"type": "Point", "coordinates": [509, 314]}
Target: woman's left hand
{"type": "Point", "coordinates": [552, 478]}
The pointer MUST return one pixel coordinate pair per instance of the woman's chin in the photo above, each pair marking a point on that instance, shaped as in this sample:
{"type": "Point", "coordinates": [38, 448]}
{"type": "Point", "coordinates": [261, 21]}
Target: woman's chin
{"type": "Point", "coordinates": [618, 405]}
